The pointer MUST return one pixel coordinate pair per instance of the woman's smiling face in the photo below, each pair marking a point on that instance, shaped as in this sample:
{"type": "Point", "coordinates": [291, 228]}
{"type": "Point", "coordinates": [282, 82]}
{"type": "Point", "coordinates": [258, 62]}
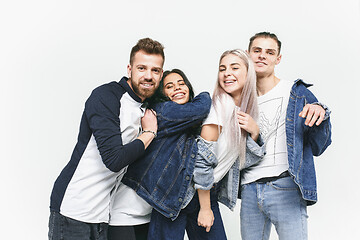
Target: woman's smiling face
{"type": "Point", "coordinates": [232, 74]}
{"type": "Point", "coordinates": [176, 89]}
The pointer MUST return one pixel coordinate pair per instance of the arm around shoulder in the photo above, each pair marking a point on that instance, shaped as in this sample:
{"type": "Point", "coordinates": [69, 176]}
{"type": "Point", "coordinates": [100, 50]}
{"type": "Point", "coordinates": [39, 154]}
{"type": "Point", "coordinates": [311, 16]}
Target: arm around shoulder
{"type": "Point", "coordinates": [102, 111]}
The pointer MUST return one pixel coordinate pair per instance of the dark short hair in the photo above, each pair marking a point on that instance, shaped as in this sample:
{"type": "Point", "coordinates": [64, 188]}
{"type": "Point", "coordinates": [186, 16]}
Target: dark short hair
{"type": "Point", "coordinates": [159, 95]}
{"type": "Point", "coordinates": [149, 46]}
{"type": "Point", "coordinates": [265, 35]}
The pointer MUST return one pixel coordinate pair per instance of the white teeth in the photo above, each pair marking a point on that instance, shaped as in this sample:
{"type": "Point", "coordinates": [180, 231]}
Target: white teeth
{"type": "Point", "coordinates": [229, 81]}
{"type": "Point", "coordinates": [178, 95]}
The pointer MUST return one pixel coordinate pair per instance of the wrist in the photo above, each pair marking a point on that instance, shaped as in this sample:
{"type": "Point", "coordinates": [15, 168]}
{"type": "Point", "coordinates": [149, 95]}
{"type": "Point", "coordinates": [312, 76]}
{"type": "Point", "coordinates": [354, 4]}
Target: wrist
{"type": "Point", "coordinates": [255, 134]}
{"type": "Point", "coordinates": [149, 131]}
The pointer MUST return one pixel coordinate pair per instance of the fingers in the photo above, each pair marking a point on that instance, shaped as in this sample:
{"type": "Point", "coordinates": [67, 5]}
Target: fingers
{"type": "Point", "coordinates": [243, 118]}
{"type": "Point", "coordinates": [149, 121]}
{"type": "Point", "coordinates": [206, 223]}
{"type": "Point", "coordinates": [206, 226]}
{"type": "Point", "coordinates": [313, 113]}
{"type": "Point", "coordinates": [321, 118]}
{"type": "Point", "coordinates": [303, 113]}
{"type": "Point", "coordinates": [310, 118]}
{"type": "Point", "coordinates": [153, 111]}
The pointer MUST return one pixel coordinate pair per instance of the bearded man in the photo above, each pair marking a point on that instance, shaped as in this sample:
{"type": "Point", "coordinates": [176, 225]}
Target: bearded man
{"type": "Point", "coordinates": [115, 130]}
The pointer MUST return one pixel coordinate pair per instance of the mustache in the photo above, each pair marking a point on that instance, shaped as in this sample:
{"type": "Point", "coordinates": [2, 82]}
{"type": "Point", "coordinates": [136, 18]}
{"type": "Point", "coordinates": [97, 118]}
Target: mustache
{"type": "Point", "coordinates": [147, 81]}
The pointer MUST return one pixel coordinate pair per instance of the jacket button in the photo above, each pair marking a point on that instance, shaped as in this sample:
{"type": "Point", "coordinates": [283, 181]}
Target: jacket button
{"type": "Point", "coordinates": [171, 215]}
{"type": "Point", "coordinates": [180, 199]}
{"type": "Point", "coordinates": [187, 178]}
{"type": "Point", "coordinates": [192, 155]}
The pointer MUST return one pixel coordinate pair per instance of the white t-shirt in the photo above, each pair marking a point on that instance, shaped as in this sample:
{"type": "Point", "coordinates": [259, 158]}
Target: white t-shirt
{"type": "Point", "coordinates": [272, 117]}
{"type": "Point", "coordinates": [127, 208]}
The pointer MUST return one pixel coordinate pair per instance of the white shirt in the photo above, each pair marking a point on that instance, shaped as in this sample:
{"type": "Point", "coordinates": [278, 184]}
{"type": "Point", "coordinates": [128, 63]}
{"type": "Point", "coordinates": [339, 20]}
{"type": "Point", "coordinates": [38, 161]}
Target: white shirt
{"type": "Point", "coordinates": [225, 161]}
{"type": "Point", "coordinates": [272, 117]}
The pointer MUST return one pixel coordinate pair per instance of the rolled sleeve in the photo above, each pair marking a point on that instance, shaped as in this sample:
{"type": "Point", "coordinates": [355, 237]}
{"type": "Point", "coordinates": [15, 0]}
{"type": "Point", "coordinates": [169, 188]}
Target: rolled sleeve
{"type": "Point", "coordinates": [205, 164]}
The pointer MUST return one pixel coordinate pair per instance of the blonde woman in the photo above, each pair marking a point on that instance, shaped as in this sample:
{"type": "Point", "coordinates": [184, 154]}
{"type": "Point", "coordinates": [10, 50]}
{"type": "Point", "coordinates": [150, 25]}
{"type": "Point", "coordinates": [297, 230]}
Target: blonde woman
{"type": "Point", "coordinates": [230, 132]}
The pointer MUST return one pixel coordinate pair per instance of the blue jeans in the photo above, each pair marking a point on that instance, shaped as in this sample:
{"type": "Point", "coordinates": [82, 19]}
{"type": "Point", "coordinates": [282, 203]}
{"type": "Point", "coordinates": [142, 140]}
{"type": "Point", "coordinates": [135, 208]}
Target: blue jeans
{"type": "Point", "coordinates": [64, 228]}
{"type": "Point", "coordinates": [162, 228]}
{"type": "Point", "coordinates": [278, 202]}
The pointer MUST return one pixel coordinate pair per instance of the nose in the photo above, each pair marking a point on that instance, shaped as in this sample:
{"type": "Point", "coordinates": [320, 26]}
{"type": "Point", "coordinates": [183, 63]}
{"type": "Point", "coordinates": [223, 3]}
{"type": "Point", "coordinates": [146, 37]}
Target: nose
{"type": "Point", "coordinates": [148, 75]}
{"type": "Point", "coordinates": [227, 71]}
{"type": "Point", "coordinates": [177, 86]}
{"type": "Point", "coordinates": [262, 55]}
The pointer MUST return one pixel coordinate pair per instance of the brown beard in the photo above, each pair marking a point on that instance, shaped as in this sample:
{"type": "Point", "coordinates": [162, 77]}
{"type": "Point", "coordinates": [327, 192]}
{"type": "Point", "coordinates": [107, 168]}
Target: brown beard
{"type": "Point", "coordinates": [143, 93]}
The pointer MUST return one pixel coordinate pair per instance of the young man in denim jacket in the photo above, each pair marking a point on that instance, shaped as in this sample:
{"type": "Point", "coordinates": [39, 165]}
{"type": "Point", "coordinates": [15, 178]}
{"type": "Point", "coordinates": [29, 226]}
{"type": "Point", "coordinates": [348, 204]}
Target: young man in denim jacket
{"type": "Point", "coordinates": [294, 127]}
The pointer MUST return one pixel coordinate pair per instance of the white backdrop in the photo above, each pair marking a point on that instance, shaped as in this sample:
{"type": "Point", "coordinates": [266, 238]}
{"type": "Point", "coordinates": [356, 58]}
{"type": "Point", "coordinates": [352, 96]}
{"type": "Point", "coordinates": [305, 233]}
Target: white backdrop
{"type": "Point", "coordinates": [53, 53]}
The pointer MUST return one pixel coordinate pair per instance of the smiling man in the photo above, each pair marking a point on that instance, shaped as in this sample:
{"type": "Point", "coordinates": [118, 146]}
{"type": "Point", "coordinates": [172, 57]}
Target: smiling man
{"type": "Point", "coordinates": [294, 127]}
{"type": "Point", "coordinates": [115, 130]}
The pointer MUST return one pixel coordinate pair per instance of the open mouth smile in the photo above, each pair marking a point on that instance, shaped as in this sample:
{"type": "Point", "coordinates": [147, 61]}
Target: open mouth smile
{"type": "Point", "coordinates": [178, 95]}
{"type": "Point", "coordinates": [147, 85]}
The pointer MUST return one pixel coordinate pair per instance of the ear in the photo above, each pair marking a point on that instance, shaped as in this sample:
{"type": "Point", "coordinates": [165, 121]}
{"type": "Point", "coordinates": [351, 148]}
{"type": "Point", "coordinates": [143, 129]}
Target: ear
{"type": "Point", "coordinates": [129, 70]}
{"type": "Point", "coordinates": [278, 59]}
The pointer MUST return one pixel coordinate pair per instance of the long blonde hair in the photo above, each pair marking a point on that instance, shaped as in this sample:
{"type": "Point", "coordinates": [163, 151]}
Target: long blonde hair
{"type": "Point", "coordinates": [226, 107]}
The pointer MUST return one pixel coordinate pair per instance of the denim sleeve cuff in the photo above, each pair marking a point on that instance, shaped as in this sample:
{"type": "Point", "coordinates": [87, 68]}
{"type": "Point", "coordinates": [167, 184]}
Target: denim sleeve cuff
{"type": "Point", "coordinates": [204, 187]}
{"type": "Point", "coordinates": [257, 148]}
{"type": "Point", "coordinates": [327, 110]}
{"type": "Point", "coordinates": [204, 166]}
{"type": "Point", "coordinates": [254, 151]}
{"type": "Point", "coordinates": [207, 150]}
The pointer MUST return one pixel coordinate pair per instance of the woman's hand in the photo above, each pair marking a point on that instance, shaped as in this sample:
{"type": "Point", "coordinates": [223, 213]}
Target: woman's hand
{"type": "Point", "coordinates": [206, 218]}
{"type": "Point", "coordinates": [248, 124]}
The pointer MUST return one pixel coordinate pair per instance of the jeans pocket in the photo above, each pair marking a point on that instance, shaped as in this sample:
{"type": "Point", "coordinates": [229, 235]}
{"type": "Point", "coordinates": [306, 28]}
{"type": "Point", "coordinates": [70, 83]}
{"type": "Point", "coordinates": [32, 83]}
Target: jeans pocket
{"type": "Point", "coordinates": [286, 184]}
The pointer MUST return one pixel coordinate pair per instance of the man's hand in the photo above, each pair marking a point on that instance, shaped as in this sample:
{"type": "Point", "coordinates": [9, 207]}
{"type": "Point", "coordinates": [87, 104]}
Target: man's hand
{"type": "Point", "coordinates": [206, 218]}
{"type": "Point", "coordinates": [149, 124]}
{"type": "Point", "coordinates": [313, 113]}
{"type": "Point", "coordinates": [149, 121]}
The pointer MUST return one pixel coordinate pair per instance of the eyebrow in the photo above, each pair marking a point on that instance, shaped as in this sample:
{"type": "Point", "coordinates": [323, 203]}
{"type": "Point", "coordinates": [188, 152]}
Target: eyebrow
{"type": "Point", "coordinates": [231, 64]}
{"type": "Point", "coordinates": [157, 68]}
{"type": "Point", "coordinates": [268, 49]}
{"type": "Point", "coordinates": [180, 80]}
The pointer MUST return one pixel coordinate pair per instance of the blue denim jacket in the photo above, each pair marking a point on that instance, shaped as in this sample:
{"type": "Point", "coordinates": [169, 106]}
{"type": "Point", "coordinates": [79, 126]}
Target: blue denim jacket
{"type": "Point", "coordinates": [304, 142]}
{"type": "Point", "coordinates": [229, 185]}
{"type": "Point", "coordinates": [163, 175]}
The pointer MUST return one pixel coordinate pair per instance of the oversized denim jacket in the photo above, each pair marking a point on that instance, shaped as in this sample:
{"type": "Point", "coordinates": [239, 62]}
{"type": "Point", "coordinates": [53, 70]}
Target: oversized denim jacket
{"type": "Point", "coordinates": [229, 185]}
{"type": "Point", "coordinates": [304, 142]}
{"type": "Point", "coordinates": [163, 175]}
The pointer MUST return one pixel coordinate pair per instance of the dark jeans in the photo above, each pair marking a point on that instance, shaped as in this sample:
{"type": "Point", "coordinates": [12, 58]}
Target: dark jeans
{"type": "Point", "coordinates": [137, 232]}
{"type": "Point", "coordinates": [64, 228]}
{"type": "Point", "coordinates": [162, 228]}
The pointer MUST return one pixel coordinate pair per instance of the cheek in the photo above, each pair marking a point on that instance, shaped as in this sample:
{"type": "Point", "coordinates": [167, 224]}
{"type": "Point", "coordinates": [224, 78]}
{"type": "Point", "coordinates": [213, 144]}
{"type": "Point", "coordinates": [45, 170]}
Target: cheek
{"type": "Point", "coordinates": [157, 78]}
{"type": "Point", "coordinates": [167, 93]}
{"type": "Point", "coordinates": [220, 76]}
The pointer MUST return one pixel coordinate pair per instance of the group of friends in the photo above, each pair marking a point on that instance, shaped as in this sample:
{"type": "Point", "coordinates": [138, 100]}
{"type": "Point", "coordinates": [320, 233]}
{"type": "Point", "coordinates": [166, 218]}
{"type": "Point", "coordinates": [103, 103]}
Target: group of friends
{"type": "Point", "coordinates": [153, 160]}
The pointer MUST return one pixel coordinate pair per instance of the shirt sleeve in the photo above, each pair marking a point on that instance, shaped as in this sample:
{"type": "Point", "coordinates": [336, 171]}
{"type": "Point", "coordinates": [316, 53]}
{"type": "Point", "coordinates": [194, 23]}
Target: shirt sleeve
{"type": "Point", "coordinates": [102, 111]}
{"type": "Point", "coordinates": [204, 166]}
{"type": "Point", "coordinates": [174, 118]}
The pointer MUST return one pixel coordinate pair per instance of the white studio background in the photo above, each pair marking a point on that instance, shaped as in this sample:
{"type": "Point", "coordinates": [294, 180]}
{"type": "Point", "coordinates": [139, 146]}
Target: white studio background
{"type": "Point", "coordinates": [53, 53]}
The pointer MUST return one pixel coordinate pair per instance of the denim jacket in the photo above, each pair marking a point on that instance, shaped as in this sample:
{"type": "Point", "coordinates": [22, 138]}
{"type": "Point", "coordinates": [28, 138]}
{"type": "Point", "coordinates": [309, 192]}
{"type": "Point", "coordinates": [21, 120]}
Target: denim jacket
{"type": "Point", "coordinates": [304, 142]}
{"type": "Point", "coordinates": [163, 175]}
{"type": "Point", "coordinates": [229, 185]}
